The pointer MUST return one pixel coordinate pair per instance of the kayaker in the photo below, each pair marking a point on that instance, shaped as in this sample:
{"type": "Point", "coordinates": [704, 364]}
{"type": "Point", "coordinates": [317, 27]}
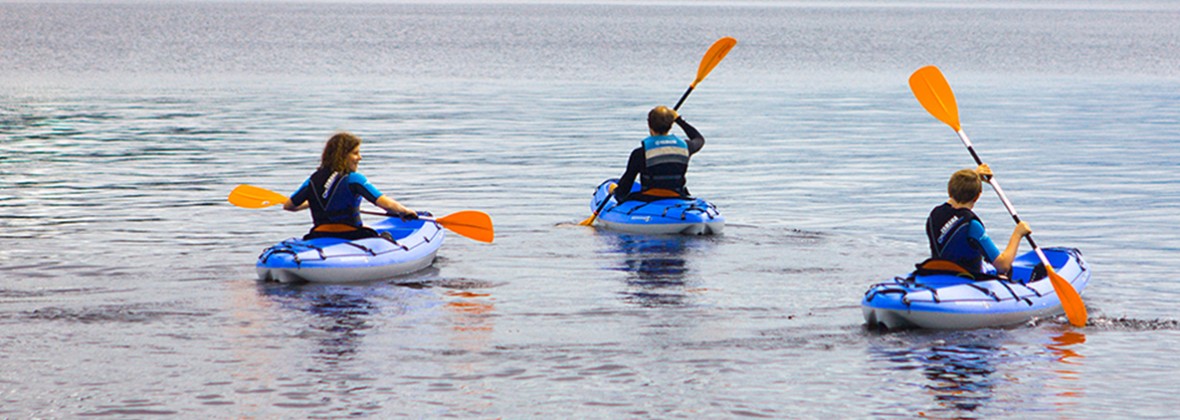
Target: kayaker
{"type": "Point", "coordinates": [956, 234]}
{"type": "Point", "coordinates": [334, 191]}
{"type": "Point", "coordinates": [661, 161]}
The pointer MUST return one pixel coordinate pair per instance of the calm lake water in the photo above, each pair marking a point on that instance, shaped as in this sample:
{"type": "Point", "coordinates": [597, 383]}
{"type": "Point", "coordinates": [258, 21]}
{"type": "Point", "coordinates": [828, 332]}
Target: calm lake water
{"type": "Point", "coordinates": [127, 284]}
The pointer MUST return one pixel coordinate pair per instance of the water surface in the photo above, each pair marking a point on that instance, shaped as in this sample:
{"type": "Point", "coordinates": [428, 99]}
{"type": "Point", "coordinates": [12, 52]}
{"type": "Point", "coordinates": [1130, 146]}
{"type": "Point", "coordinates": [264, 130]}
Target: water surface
{"type": "Point", "coordinates": [127, 285]}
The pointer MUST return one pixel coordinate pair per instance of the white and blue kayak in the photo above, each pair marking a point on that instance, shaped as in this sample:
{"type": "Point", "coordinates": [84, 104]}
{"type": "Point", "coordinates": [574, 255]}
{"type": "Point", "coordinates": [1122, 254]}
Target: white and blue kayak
{"type": "Point", "coordinates": [945, 300]}
{"type": "Point", "coordinates": [669, 216]}
{"type": "Point", "coordinates": [411, 246]}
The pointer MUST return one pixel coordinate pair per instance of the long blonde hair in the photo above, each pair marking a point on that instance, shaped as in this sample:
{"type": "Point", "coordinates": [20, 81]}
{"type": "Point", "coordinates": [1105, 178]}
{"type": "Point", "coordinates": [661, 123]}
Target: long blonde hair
{"type": "Point", "coordinates": [336, 151]}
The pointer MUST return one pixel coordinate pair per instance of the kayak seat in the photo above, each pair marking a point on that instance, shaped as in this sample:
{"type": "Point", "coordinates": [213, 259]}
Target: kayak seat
{"type": "Point", "coordinates": [935, 266]}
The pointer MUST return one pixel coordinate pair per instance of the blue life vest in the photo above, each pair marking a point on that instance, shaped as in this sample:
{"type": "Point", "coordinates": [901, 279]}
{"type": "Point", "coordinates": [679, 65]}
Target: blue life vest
{"type": "Point", "coordinates": [332, 201]}
{"type": "Point", "coordinates": [666, 161]}
{"type": "Point", "coordinates": [947, 229]}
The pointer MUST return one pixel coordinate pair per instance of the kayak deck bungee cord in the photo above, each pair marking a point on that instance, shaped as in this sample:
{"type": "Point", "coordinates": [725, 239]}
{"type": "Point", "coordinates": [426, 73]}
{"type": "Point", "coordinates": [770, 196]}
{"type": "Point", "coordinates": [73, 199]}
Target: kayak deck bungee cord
{"type": "Point", "coordinates": [944, 299]}
{"type": "Point", "coordinates": [410, 246]}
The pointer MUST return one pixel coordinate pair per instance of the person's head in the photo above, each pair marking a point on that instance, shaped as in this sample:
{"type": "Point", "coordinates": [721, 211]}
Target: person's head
{"type": "Point", "coordinates": [660, 120]}
{"type": "Point", "coordinates": [965, 186]}
{"type": "Point", "coordinates": [341, 153]}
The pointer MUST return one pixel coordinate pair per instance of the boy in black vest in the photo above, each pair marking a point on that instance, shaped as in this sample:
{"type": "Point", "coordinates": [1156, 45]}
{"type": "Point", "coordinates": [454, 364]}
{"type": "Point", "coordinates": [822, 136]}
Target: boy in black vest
{"type": "Point", "coordinates": [956, 234]}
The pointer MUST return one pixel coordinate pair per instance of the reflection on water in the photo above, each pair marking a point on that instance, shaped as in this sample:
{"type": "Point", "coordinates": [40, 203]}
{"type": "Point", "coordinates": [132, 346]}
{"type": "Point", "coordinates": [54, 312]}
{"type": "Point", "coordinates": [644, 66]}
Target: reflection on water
{"type": "Point", "coordinates": [960, 373]}
{"type": "Point", "coordinates": [470, 312]}
{"type": "Point", "coordinates": [341, 313]}
{"type": "Point", "coordinates": [983, 373]}
{"type": "Point", "coordinates": [961, 376]}
{"type": "Point", "coordinates": [657, 265]}
{"type": "Point", "coordinates": [1062, 348]}
{"type": "Point", "coordinates": [470, 315]}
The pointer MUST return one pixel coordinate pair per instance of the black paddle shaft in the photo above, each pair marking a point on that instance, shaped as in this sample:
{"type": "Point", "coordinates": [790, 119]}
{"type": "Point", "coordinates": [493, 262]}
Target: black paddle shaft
{"type": "Point", "coordinates": [1000, 191]}
{"type": "Point", "coordinates": [682, 98]}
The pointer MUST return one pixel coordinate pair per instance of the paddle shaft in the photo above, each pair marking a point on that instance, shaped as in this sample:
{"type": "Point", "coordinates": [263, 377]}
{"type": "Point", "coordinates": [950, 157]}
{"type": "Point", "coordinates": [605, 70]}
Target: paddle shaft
{"type": "Point", "coordinates": [683, 97]}
{"type": "Point", "coordinates": [377, 213]}
{"type": "Point", "coordinates": [1003, 198]}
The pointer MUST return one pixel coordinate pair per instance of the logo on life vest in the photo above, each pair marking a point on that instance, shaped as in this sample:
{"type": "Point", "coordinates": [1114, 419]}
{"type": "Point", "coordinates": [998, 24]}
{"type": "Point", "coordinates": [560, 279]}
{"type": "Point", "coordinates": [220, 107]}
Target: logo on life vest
{"type": "Point", "coordinates": [328, 184]}
{"type": "Point", "coordinates": [945, 228]}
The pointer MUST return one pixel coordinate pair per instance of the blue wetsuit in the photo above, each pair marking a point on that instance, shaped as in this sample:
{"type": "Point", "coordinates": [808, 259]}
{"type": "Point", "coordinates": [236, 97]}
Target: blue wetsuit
{"type": "Point", "coordinates": [335, 198]}
{"type": "Point", "coordinates": [958, 235]}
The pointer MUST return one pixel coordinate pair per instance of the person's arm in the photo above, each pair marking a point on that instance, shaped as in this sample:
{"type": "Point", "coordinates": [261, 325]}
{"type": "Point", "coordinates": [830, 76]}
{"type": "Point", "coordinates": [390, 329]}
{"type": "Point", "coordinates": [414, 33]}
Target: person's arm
{"type": "Point", "coordinates": [366, 189]}
{"type": "Point", "coordinates": [392, 206]}
{"type": "Point", "coordinates": [635, 164]}
{"type": "Point", "coordinates": [1003, 262]}
{"type": "Point", "coordinates": [290, 206]}
{"type": "Point", "coordinates": [300, 197]}
{"type": "Point", "coordinates": [695, 140]}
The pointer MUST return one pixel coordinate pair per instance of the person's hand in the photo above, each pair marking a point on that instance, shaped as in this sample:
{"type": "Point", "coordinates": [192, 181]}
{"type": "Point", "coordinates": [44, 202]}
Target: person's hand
{"type": "Point", "coordinates": [1022, 229]}
{"type": "Point", "coordinates": [985, 172]}
{"type": "Point", "coordinates": [409, 215]}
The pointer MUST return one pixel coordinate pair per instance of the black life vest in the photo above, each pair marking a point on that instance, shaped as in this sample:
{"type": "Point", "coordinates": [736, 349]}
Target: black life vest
{"type": "Point", "coordinates": [331, 200]}
{"type": "Point", "coordinates": [947, 231]}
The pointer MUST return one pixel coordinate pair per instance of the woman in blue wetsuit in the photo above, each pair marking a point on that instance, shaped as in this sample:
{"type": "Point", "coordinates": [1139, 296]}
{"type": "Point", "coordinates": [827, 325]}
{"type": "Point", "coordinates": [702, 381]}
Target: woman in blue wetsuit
{"type": "Point", "coordinates": [956, 234]}
{"type": "Point", "coordinates": [334, 191]}
{"type": "Point", "coordinates": [661, 161]}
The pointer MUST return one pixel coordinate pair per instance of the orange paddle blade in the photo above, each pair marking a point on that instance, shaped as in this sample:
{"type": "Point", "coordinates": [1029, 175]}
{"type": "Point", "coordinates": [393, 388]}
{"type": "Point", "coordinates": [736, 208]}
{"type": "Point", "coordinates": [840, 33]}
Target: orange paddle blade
{"type": "Point", "coordinates": [933, 92]}
{"type": "Point", "coordinates": [1071, 302]}
{"type": "Point", "coordinates": [713, 57]}
{"type": "Point", "coordinates": [252, 197]}
{"type": "Point", "coordinates": [476, 225]}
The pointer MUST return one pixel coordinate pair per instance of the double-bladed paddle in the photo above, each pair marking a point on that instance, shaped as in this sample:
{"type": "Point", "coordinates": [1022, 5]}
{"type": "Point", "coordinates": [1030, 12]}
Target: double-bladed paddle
{"type": "Point", "coordinates": [473, 224]}
{"type": "Point", "coordinates": [712, 57]}
{"type": "Point", "coordinates": [934, 93]}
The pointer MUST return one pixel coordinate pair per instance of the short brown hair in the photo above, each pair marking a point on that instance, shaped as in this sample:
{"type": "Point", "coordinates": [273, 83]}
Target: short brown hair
{"type": "Point", "coordinates": [660, 119]}
{"type": "Point", "coordinates": [336, 151]}
{"type": "Point", "coordinates": [965, 186]}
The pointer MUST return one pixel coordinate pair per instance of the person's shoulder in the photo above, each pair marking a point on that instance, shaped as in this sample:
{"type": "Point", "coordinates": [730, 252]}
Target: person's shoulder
{"type": "Point", "coordinates": [976, 228]}
{"type": "Point", "coordinates": [357, 177]}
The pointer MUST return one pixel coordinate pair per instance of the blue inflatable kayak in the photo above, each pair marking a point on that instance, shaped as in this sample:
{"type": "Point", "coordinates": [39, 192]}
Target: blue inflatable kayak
{"type": "Point", "coordinates": [950, 301]}
{"type": "Point", "coordinates": [331, 260]}
{"type": "Point", "coordinates": [692, 216]}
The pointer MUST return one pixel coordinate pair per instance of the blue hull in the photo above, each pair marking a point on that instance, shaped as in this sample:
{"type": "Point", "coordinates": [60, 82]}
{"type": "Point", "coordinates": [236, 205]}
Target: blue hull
{"type": "Point", "coordinates": [660, 217]}
{"type": "Point", "coordinates": [945, 301]}
{"type": "Point", "coordinates": [332, 260]}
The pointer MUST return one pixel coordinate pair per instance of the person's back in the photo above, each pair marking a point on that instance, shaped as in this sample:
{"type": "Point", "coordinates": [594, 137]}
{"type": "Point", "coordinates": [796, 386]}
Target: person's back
{"type": "Point", "coordinates": [661, 161]}
{"type": "Point", "coordinates": [957, 235]}
{"type": "Point", "coordinates": [334, 200]}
